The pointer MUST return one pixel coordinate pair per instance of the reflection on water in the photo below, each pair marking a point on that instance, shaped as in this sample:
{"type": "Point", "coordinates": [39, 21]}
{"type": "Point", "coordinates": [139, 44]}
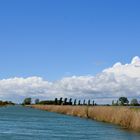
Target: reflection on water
{"type": "Point", "coordinates": [20, 123]}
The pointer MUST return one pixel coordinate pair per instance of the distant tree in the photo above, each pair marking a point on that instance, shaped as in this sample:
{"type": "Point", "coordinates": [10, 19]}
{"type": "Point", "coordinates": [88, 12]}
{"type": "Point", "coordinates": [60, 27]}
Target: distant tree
{"type": "Point", "coordinates": [93, 103]}
{"type": "Point", "coordinates": [88, 102]}
{"type": "Point", "coordinates": [70, 101]}
{"type": "Point", "coordinates": [123, 100]}
{"type": "Point", "coordinates": [117, 103]}
{"type": "Point", "coordinates": [36, 101]}
{"type": "Point", "coordinates": [113, 103]}
{"type": "Point", "coordinates": [61, 101]}
{"type": "Point", "coordinates": [79, 102]}
{"type": "Point", "coordinates": [134, 102]}
{"type": "Point", "coordinates": [65, 101]}
{"type": "Point", "coordinates": [27, 101]}
{"type": "Point", "coordinates": [56, 101]}
{"type": "Point", "coordinates": [75, 102]}
{"type": "Point", "coordinates": [84, 102]}
{"type": "Point", "coordinates": [11, 103]}
{"type": "Point", "coordinates": [2, 103]}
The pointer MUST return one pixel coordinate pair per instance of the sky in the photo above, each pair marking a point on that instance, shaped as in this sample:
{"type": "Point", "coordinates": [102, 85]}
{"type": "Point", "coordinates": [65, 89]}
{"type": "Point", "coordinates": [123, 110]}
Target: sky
{"type": "Point", "coordinates": [63, 41]}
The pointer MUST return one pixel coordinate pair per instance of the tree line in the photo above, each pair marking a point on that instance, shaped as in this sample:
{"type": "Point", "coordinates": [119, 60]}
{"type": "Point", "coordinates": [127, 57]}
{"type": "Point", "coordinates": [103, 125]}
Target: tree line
{"type": "Point", "coordinates": [123, 101]}
{"type": "Point", "coordinates": [60, 101]}
{"type": "Point", "coordinates": [2, 103]}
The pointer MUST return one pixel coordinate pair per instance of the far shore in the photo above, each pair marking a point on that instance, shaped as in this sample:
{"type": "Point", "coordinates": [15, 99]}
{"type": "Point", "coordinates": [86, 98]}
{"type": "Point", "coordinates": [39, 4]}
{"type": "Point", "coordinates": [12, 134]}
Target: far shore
{"type": "Point", "coordinates": [123, 116]}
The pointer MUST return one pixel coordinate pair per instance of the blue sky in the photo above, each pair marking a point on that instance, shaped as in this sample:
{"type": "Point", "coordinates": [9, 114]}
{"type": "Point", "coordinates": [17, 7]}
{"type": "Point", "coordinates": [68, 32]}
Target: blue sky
{"type": "Point", "coordinates": [54, 39]}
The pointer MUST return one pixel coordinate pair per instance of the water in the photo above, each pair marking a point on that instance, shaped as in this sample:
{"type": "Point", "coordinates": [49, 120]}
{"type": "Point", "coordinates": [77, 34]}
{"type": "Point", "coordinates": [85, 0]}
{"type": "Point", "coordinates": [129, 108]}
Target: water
{"type": "Point", "coordinates": [20, 123]}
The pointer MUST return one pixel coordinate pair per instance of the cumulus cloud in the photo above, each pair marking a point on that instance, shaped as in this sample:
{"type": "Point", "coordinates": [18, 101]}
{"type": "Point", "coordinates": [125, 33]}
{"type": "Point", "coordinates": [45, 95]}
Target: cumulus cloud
{"type": "Point", "coordinates": [118, 80]}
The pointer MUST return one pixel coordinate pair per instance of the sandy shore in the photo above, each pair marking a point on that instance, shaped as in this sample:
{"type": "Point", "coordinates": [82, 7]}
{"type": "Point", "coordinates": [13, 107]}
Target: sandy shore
{"type": "Point", "coordinates": [124, 116]}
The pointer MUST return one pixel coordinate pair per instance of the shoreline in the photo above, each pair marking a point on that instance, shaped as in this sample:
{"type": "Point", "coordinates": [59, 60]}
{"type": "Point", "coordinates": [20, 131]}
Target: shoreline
{"type": "Point", "coordinates": [126, 117]}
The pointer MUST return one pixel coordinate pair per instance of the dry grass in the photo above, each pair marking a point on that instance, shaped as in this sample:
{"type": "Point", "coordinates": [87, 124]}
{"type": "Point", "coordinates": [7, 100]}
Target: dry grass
{"type": "Point", "coordinates": [124, 116]}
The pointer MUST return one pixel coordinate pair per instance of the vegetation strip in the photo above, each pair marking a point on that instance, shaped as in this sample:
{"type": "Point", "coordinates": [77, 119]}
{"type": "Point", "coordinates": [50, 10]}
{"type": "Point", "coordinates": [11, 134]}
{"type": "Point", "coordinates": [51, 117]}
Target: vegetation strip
{"type": "Point", "coordinates": [4, 103]}
{"type": "Point", "coordinates": [125, 116]}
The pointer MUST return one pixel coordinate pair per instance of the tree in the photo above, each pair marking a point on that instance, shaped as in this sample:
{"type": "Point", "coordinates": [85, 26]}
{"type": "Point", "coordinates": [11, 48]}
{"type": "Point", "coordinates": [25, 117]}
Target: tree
{"type": "Point", "coordinates": [75, 102]}
{"type": "Point", "coordinates": [2, 103]}
{"type": "Point", "coordinates": [36, 101]}
{"type": "Point", "coordinates": [113, 102]}
{"type": "Point", "coordinates": [134, 102]}
{"type": "Point", "coordinates": [88, 102]}
{"type": "Point", "coordinates": [79, 102]}
{"type": "Point", "coordinates": [56, 101]}
{"type": "Point", "coordinates": [27, 101]}
{"type": "Point", "coordinates": [60, 101]}
{"type": "Point", "coordinates": [117, 103]}
{"type": "Point", "coordinates": [70, 101]}
{"type": "Point", "coordinates": [123, 100]}
{"type": "Point", "coordinates": [65, 101]}
{"type": "Point", "coordinates": [93, 103]}
{"type": "Point", "coordinates": [84, 102]}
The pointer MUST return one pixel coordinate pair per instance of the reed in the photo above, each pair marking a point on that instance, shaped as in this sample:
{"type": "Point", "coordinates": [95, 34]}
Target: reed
{"type": "Point", "coordinates": [124, 116]}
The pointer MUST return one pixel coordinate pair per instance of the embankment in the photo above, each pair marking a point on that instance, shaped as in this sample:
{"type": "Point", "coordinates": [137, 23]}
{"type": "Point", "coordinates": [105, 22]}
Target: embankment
{"type": "Point", "coordinates": [124, 116]}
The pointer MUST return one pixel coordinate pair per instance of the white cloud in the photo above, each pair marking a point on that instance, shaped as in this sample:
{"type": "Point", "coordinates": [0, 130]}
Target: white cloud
{"type": "Point", "coordinates": [119, 80]}
{"type": "Point", "coordinates": [131, 70]}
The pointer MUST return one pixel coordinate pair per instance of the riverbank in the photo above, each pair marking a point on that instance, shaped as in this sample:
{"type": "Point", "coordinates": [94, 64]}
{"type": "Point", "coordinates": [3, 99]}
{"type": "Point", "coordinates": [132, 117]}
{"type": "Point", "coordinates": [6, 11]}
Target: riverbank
{"type": "Point", "coordinates": [124, 116]}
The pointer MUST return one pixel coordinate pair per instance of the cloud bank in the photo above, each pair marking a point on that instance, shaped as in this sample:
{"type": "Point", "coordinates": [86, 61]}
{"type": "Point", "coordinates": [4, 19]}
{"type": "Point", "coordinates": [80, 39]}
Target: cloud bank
{"type": "Point", "coordinates": [118, 80]}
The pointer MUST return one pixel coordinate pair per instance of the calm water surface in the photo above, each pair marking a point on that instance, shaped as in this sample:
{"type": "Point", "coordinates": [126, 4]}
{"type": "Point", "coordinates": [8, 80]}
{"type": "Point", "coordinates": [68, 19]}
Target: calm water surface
{"type": "Point", "coordinates": [20, 123]}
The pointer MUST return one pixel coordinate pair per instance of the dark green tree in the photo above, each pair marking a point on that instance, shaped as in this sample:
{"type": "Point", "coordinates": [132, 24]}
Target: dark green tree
{"type": "Point", "coordinates": [75, 102]}
{"type": "Point", "coordinates": [89, 102]}
{"type": "Point", "coordinates": [70, 101]}
{"type": "Point", "coordinates": [93, 103]}
{"type": "Point", "coordinates": [84, 102]}
{"type": "Point", "coordinates": [123, 100]}
{"type": "Point", "coordinates": [2, 103]}
{"type": "Point", "coordinates": [56, 101]}
{"type": "Point", "coordinates": [27, 101]}
{"type": "Point", "coordinates": [65, 101]}
{"type": "Point", "coordinates": [61, 101]}
{"type": "Point", "coordinates": [79, 102]}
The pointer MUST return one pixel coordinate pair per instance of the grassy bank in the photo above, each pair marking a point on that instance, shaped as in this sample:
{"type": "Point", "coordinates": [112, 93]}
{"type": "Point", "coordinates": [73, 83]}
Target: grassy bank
{"type": "Point", "coordinates": [124, 116]}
